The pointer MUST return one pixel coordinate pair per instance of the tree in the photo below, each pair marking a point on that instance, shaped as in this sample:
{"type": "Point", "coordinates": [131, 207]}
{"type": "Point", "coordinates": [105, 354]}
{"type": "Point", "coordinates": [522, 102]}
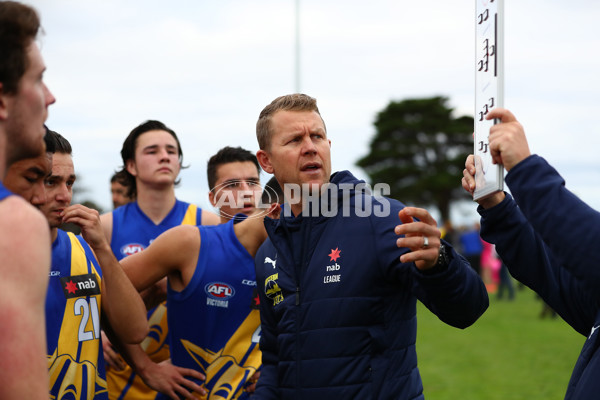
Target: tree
{"type": "Point", "coordinates": [419, 149]}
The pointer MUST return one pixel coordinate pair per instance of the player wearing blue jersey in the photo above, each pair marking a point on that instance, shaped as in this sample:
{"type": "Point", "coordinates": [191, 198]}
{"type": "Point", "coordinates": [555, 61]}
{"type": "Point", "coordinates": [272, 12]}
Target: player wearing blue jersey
{"type": "Point", "coordinates": [152, 158]}
{"type": "Point", "coordinates": [24, 235]}
{"type": "Point", "coordinates": [79, 291]}
{"type": "Point", "coordinates": [26, 177]}
{"type": "Point", "coordinates": [211, 276]}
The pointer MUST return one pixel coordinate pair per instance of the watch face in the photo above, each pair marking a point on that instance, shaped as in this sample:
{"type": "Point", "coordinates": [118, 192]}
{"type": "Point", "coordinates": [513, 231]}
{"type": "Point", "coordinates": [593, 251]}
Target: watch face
{"type": "Point", "coordinates": [443, 259]}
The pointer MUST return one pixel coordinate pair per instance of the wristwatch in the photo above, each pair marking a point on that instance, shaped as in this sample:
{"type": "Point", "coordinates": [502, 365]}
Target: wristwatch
{"type": "Point", "coordinates": [443, 258]}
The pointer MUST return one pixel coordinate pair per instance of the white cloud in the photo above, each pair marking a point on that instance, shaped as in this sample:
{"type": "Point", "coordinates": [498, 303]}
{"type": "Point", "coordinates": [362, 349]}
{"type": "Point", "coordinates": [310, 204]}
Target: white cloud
{"type": "Point", "coordinates": [207, 68]}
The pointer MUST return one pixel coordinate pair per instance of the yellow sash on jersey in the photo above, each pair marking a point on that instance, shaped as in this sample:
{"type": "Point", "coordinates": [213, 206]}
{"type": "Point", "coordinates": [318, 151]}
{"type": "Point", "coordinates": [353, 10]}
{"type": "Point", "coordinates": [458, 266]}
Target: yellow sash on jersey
{"type": "Point", "coordinates": [190, 215]}
{"type": "Point", "coordinates": [80, 327]}
{"type": "Point", "coordinates": [220, 365]}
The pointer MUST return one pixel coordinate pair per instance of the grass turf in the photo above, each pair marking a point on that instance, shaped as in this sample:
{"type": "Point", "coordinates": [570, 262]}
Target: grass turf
{"type": "Point", "coordinates": [509, 353]}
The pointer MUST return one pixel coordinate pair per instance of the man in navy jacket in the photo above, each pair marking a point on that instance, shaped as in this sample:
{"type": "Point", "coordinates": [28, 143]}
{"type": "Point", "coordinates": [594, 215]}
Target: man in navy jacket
{"type": "Point", "coordinates": [337, 293]}
{"type": "Point", "coordinates": [545, 236]}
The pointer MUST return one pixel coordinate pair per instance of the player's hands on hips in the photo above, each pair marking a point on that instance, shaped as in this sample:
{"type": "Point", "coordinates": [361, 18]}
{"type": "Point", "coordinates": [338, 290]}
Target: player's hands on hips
{"type": "Point", "coordinates": [421, 237]}
{"type": "Point", "coordinates": [468, 183]}
{"type": "Point", "coordinates": [507, 141]}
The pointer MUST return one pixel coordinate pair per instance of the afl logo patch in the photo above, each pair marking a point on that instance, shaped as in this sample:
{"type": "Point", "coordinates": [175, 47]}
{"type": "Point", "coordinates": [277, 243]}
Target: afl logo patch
{"type": "Point", "coordinates": [219, 290]}
{"type": "Point", "coordinates": [131, 248]}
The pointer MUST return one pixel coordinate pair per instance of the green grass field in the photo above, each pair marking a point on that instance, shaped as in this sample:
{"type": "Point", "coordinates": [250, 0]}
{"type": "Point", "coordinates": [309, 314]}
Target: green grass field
{"type": "Point", "coordinates": [509, 353]}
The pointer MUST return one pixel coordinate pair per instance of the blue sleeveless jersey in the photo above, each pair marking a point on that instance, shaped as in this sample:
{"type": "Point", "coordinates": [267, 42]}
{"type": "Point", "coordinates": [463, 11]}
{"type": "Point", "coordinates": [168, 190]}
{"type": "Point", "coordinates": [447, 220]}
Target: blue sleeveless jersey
{"type": "Point", "coordinates": [132, 232]}
{"type": "Point", "coordinates": [214, 322]}
{"type": "Point", "coordinates": [75, 358]}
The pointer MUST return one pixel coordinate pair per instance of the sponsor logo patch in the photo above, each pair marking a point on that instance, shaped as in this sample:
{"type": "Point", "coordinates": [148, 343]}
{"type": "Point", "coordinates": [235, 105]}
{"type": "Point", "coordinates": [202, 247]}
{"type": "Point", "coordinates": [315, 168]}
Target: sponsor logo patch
{"type": "Point", "coordinates": [219, 294]}
{"type": "Point", "coordinates": [334, 255]}
{"type": "Point", "coordinates": [131, 248]}
{"type": "Point", "coordinates": [219, 290]}
{"type": "Point", "coordinates": [80, 285]}
{"type": "Point", "coordinates": [272, 289]}
{"type": "Point", "coordinates": [270, 261]}
{"type": "Point", "coordinates": [337, 276]}
{"type": "Point", "coordinates": [255, 305]}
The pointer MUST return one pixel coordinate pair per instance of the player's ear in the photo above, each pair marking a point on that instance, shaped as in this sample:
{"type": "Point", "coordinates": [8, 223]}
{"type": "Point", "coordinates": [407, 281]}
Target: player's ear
{"type": "Point", "coordinates": [211, 198]}
{"type": "Point", "coordinates": [130, 166]}
{"type": "Point", "coordinates": [265, 161]}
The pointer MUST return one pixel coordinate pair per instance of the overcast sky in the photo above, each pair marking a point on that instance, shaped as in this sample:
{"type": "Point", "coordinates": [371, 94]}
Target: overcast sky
{"type": "Point", "coordinates": [207, 68]}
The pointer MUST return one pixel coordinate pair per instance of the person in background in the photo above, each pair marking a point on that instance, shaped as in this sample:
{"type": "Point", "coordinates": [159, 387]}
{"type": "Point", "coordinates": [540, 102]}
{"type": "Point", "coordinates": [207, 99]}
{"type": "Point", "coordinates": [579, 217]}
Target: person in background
{"type": "Point", "coordinates": [472, 247]}
{"type": "Point", "coordinates": [27, 177]}
{"type": "Point", "coordinates": [119, 190]}
{"type": "Point", "coordinates": [505, 284]}
{"type": "Point", "coordinates": [152, 158]}
{"type": "Point", "coordinates": [211, 275]}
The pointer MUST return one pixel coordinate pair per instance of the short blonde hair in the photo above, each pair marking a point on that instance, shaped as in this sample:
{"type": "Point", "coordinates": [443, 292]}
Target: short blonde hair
{"type": "Point", "coordinates": [290, 102]}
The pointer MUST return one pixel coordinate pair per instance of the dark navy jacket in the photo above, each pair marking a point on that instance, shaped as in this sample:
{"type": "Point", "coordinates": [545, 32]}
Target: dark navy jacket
{"type": "Point", "coordinates": [550, 243]}
{"type": "Point", "coordinates": [338, 308]}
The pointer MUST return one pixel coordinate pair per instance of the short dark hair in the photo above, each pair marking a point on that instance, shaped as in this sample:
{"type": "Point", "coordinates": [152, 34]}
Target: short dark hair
{"type": "Point", "coordinates": [119, 177]}
{"type": "Point", "coordinates": [225, 156]}
{"type": "Point", "coordinates": [56, 143]}
{"type": "Point", "coordinates": [128, 151]}
{"type": "Point", "coordinates": [19, 26]}
{"type": "Point", "coordinates": [50, 146]}
{"type": "Point", "coordinates": [272, 191]}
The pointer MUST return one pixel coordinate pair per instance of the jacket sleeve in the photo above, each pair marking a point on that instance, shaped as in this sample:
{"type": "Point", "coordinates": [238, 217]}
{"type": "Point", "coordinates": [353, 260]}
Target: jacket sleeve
{"type": "Point", "coordinates": [456, 294]}
{"type": "Point", "coordinates": [267, 385]}
{"type": "Point", "coordinates": [531, 262]}
{"type": "Point", "coordinates": [566, 224]}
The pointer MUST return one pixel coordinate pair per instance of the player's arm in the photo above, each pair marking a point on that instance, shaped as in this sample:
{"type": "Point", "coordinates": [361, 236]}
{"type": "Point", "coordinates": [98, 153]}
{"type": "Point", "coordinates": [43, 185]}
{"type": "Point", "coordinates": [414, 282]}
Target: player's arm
{"type": "Point", "coordinates": [209, 218]}
{"type": "Point", "coordinates": [25, 252]}
{"type": "Point", "coordinates": [121, 303]}
{"type": "Point", "coordinates": [107, 222]}
{"type": "Point", "coordinates": [251, 232]}
{"type": "Point", "coordinates": [169, 255]}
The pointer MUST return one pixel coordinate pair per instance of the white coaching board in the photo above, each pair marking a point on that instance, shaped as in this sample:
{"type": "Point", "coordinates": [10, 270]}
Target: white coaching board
{"type": "Point", "coordinates": [489, 83]}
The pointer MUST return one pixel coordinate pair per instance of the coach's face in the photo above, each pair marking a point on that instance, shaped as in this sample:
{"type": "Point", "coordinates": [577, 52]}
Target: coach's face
{"type": "Point", "coordinates": [299, 150]}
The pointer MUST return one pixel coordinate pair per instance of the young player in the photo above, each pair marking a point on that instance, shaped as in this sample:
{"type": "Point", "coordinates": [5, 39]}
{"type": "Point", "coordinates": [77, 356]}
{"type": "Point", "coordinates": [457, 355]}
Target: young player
{"type": "Point", "coordinates": [152, 158]}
